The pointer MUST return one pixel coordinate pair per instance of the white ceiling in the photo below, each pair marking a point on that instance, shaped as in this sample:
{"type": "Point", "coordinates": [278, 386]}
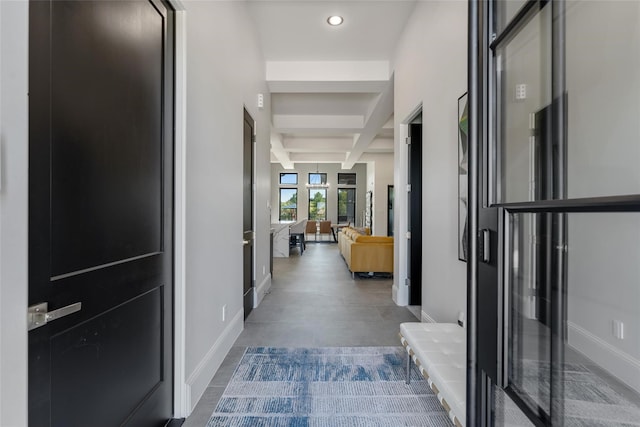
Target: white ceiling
{"type": "Point", "coordinates": [331, 87]}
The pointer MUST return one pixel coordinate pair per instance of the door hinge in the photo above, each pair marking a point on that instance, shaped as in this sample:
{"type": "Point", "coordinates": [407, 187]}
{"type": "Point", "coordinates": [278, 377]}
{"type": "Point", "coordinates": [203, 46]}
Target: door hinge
{"type": "Point", "coordinates": [407, 282]}
{"type": "Point", "coordinates": [39, 314]}
{"type": "Point", "coordinates": [408, 188]}
{"type": "Point", "coordinates": [408, 234]}
{"type": "Point", "coordinates": [407, 140]}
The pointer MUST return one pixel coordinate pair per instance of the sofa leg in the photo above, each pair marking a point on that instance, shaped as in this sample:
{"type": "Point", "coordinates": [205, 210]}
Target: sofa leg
{"type": "Point", "coordinates": [353, 275]}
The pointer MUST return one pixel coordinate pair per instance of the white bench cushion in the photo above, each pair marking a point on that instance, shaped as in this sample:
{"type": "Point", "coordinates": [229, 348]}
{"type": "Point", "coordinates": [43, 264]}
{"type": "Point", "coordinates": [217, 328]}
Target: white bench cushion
{"type": "Point", "coordinates": [441, 350]}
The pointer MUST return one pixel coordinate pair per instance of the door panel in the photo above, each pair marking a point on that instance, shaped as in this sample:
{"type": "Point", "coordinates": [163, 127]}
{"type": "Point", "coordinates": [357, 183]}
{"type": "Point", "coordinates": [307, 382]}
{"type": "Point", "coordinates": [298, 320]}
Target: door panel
{"type": "Point", "coordinates": [247, 214]}
{"type": "Point", "coordinates": [414, 250]}
{"type": "Point", "coordinates": [115, 100]}
{"type": "Point", "coordinates": [120, 346]}
{"type": "Point", "coordinates": [101, 217]}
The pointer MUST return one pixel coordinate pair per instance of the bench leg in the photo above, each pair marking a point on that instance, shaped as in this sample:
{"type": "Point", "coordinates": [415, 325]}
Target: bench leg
{"type": "Point", "coordinates": [408, 368]}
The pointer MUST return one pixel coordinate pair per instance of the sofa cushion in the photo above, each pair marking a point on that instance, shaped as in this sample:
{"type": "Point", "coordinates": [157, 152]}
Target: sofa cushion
{"type": "Point", "coordinates": [373, 239]}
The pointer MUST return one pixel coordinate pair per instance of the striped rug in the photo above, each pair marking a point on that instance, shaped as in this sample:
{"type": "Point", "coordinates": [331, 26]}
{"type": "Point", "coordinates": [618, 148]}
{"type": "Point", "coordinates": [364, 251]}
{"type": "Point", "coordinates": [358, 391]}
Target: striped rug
{"type": "Point", "coordinates": [326, 387]}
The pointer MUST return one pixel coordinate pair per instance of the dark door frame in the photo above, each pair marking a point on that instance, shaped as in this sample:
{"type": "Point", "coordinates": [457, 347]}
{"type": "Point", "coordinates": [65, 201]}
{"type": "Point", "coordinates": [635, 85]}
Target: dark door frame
{"type": "Point", "coordinates": [391, 199]}
{"type": "Point", "coordinates": [248, 209]}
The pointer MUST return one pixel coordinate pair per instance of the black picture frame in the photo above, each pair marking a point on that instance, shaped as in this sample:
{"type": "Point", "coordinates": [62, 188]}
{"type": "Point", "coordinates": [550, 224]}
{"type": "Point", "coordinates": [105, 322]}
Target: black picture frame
{"type": "Point", "coordinates": [463, 176]}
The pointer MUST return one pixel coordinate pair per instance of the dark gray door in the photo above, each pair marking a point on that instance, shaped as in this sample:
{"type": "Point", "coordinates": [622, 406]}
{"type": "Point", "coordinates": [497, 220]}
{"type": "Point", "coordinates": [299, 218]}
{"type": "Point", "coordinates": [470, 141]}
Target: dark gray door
{"type": "Point", "coordinates": [414, 243]}
{"type": "Point", "coordinates": [390, 203]}
{"type": "Point", "coordinates": [101, 213]}
{"type": "Point", "coordinates": [247, 213]}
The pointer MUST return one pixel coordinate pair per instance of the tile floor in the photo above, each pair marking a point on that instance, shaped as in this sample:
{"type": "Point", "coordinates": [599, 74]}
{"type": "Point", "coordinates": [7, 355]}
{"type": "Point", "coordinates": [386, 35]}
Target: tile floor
{"type": "Point", "coordinates": [313, 302]}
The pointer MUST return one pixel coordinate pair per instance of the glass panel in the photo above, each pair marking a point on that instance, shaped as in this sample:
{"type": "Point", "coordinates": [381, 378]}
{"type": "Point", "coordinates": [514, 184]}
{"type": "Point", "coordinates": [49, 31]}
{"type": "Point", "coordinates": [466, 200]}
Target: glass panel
{"type": "Point", "coordinates": [529, 317]}
{"type": "Point", "coordinates": [346, 205]}
{"type": "Point", "coordinates": [523, 68]}
{"type": "Point", "coordinates": [288, 204]}
{"type": "Point", "coordinates": [602, 374]}
{"type": "Point", "coordinates": [504, 12]}
{"type": "Point", "coordinates": [346, 179]}
{"type": "Point", "coordinates": [596, 380]}
{"type": "Point", "coordinates": [506, 413]}
{"type": "Point", "coordinates": [317, 178]}
{"type": "Point", "coordinates": [603, 89]}
{"type": "Point", "coordinates": [289, 178]}
{"type": "Point", "coordinates": [317, 204]}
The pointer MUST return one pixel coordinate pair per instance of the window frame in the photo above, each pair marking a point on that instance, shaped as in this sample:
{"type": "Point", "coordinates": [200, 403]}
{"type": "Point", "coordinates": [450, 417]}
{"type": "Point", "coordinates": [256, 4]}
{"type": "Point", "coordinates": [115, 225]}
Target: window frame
{"type": "Point", "coordinates": [347, 189]}
{"type": "Point", "coordinates": [355, 178]}
{"type": "Point", "coordinates": [295, 216]}
{"type": "Point", "coordinates": [288, 183]}
{"type": "Point", "coordinates": [316, 218]}
{"type": "Point", "coordinates": [323, 178]}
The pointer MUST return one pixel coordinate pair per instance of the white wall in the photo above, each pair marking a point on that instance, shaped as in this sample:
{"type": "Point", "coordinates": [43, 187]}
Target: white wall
{"type": "Point", "coordinates": [431, 68]}
{"type": "Point", "coordinates": [225, 71]}
{"type": "Point", "coordinates": [332, 170]}
{"type": "Point", "coordinates": [603, 84]}
{"type": "Point", "coordinates": [13, 212]}
{"type": "Point", "coordinates": [380, 176]}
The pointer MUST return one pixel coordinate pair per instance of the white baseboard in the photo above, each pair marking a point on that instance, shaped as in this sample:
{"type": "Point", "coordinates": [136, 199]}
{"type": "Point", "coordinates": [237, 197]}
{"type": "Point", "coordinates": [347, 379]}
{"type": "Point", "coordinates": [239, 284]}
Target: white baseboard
{"type": "Point", "coordinates": [427, 319]}
{"type": "Point", "coordinates": [622, 365]}
{"type": "Point", "coordinates": [203, 374]}
{"type": "Point", "coordinates": [394, 293]}
{"type": "Point", "coordinates": [260, 291]}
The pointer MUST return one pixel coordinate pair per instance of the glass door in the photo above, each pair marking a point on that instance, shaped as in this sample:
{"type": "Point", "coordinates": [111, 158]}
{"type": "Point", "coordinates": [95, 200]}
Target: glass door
{"type": "Point", "coordinates": [555, 104]}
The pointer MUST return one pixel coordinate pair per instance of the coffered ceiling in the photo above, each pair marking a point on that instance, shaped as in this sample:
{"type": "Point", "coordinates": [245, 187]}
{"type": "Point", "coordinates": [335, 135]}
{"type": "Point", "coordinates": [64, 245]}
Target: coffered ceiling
{"type": "Point", "coordinates": [331, 87]}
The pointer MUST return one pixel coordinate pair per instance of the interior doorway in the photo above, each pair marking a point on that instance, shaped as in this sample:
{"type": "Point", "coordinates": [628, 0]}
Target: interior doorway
{"type": "Point", "coordinates": [248, 234]}
{"type": "Point", "coordinates": [390, 211]}
{"type": "Point", "coordinates": [414, 211]}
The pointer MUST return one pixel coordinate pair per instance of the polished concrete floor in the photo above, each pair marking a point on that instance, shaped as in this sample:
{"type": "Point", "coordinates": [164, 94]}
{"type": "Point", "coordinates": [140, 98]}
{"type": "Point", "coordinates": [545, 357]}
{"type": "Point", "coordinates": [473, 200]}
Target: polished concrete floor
{"type": "Point", "coordinates": [313, 302]}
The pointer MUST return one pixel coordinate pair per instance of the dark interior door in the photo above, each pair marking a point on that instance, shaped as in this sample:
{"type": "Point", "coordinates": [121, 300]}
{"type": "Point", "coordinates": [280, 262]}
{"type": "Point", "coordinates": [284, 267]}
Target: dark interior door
{"type": "Point", "coordinates": [390, 203]}
{"type": "Point", "coordinates": [247, 214]}
{"type": "Point", "coordinates": [100, 212]}
{"type": "Point", "coordinates": [414, 250]}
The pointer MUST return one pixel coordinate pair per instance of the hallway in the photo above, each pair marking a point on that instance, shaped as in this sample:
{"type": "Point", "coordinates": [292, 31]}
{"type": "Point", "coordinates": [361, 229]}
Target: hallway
{"type": "Point", "coordinates": [313, 303]}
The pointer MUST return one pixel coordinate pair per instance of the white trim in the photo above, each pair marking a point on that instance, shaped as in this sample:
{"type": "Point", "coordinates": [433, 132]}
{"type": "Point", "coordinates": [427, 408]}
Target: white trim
{"type": "Point", "coordinates": [14, 193]}
{"type": "Point", "coordinates": [426, 318]}
{"type": "Point", "coordinates": [623, 366]}
{"type": "Point", "coordinates": [394, 294]}
{"type": "Point", "coordinates": [261, 290]}
{"type": "Point", "coordinates": [199, 380]}
{"type": "Point", "coordinates": [400, 221]}
{"type": "Point", "coordinates": [181, 408]}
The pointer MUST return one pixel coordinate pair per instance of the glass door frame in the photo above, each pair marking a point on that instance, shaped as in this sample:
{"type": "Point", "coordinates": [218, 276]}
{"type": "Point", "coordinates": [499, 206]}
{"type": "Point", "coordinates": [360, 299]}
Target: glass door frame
{"type": "Point", "coordinates": [484, 191]}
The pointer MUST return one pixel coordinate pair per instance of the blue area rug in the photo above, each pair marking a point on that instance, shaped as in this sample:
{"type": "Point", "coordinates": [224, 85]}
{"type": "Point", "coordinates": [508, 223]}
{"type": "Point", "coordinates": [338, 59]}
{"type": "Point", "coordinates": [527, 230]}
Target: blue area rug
{"type": "Point", "coordinates": [327, 387]}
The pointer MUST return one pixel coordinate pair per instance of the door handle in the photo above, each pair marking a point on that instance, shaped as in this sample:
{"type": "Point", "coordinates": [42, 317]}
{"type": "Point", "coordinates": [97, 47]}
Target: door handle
{"type": "Point", "coordinates": [485, 246]}
{"type": "Point", "coordinates": [39, 314]}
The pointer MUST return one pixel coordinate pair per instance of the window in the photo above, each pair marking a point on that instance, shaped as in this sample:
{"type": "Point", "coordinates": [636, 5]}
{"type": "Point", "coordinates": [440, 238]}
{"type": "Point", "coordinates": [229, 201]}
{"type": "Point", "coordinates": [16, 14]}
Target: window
{"type": "Point", "coordinates": [346, 205]}
{"type": "Point", "coordinates": [317, 204]}
{"type": "Point", "coordinates": [288, 204]}
{"type": "Point", "coordinates": [317, 178]}
{"type": "Point", "coordinates": [346, 179]}
{"type": "Point", "coordinates": [289, 179]}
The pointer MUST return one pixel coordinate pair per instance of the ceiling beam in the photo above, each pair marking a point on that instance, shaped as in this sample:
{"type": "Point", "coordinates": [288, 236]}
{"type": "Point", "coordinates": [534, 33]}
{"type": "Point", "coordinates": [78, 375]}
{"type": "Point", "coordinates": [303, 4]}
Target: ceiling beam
{"type": "Point", "coordinates": [380, 113]}
{"type": "Point", "coordinates": [277, 149]}
{"type": "Point", "coordinates": [292, 121]}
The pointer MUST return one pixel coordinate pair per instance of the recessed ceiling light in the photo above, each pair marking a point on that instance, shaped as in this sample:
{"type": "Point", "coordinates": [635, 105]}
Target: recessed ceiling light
{"type": "Point", "coordinates": [335, 20]}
